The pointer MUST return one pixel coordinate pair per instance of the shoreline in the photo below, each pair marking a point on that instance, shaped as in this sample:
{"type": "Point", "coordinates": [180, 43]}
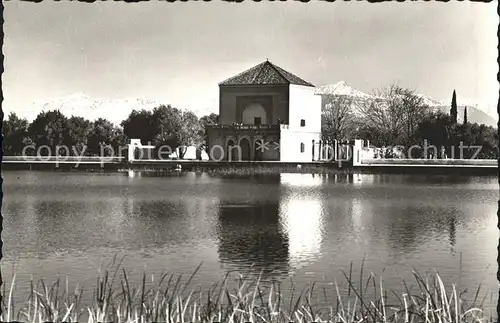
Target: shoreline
{"type": "Point", "coordinates": [373, 166]}
{"type": "Point", "coordinates": [263, 169]}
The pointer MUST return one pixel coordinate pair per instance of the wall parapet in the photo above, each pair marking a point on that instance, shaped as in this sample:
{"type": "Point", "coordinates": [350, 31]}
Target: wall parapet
{"type": "Point", "coordinates": [246, 127]}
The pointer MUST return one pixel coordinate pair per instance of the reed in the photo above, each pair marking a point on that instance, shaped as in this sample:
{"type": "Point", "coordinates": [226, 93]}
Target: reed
{"type": "Point", "coordinates": [170, 299]}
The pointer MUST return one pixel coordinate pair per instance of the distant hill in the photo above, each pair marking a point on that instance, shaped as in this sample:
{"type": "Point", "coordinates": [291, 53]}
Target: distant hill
{"type": "Point", "coordinates": [474, 114]}
{"type": "Point", "coordinates": [343, 89]}
{"type": "Point", "coordinates": [116, 110]}
{"type": "Point", "coordinates": [81, 105]}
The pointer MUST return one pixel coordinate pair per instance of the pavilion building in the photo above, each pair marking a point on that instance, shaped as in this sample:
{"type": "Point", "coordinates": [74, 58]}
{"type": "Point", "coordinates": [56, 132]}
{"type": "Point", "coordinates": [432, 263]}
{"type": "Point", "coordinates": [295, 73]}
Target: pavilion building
{"type": "Point", "coordinates": [266, 114]}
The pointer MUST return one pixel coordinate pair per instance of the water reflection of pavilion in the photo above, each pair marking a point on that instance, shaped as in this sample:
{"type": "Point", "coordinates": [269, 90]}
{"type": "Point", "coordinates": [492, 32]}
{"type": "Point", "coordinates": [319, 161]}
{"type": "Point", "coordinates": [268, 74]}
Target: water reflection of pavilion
{"type": "Point", "coordinates": [251, 236]}
{"type": "Point", "coordinates": [280, 228]}
{"type": "Point", "coordinates": [302, 216]}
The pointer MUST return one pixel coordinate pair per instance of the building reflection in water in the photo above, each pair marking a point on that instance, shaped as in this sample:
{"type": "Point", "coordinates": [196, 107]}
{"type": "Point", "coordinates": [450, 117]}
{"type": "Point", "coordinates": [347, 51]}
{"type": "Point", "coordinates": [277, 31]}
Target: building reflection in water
{"type": "Point", "coordinates": [250, 236]}
{"type": "Point", "coordinates": [301, 215]}
{"type": "Point", "coordinates": [358, 211]}
{"type": "Point", "coordinates": [453, 232]}
{"type": "Point", "coordinates": [364, 179]}
{"type": "Point", "coordinates": [279, 229]}
{"type": "Point", "coordinates": [356, 179]}
{"type": "Point", "coordinates": [134, 174]}
{"type": "Point", "coordinates": [361, 212]}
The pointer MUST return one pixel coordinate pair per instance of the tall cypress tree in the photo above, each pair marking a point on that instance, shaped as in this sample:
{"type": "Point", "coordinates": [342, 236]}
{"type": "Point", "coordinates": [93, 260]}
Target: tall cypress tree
{"type": "Point", "coordinates": [465, 115]}
{"type": "Point", "coordinates": [453, 110]}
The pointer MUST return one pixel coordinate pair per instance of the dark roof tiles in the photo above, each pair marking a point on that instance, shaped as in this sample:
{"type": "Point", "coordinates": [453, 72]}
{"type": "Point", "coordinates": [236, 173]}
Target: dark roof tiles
{"type": "Point", "coordinates": [265, 73]}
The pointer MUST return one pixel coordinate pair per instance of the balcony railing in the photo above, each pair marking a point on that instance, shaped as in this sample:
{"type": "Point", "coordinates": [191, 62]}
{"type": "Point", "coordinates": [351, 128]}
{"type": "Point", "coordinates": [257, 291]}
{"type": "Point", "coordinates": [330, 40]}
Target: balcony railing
{"type": "Point", "coordinates": [247, 127]}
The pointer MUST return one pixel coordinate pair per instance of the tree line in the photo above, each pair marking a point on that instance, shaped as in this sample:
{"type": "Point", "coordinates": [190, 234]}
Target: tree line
{"type": "Point", "coordinates": [399, 117]}
{"type": "Point", "coordinates": [395, 117]}
{"type": "Point", "coordinates": [165, 125]}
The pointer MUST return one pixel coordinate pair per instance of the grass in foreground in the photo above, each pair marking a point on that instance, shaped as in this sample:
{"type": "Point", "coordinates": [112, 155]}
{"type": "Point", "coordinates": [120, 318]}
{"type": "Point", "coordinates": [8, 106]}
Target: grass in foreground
{"type": "Point", "coordinates": [169, 300]}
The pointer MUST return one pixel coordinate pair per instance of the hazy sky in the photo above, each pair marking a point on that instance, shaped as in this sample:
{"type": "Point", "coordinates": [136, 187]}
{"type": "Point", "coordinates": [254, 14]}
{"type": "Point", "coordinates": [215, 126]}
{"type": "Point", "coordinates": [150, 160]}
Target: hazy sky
{"type": "Point", "coordinates": [178, 52]}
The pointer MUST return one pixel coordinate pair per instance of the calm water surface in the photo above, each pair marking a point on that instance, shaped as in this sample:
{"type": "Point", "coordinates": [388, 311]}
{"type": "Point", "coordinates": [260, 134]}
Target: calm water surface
{"type": "Point", "coordinates": [307, 227]}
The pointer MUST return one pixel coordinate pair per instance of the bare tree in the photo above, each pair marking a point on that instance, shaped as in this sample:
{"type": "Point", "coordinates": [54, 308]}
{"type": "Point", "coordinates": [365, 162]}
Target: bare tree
{"type": "Point", "coordinates": [393, 115]}
{"type": "Point", "coordinates": [337, 117]}
{"type": "Point", "coordinates": [414, 111]}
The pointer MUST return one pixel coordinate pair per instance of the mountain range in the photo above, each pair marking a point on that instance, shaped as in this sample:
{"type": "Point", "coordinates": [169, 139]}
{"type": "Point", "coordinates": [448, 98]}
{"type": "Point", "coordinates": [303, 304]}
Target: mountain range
{"type": "Point", "coordinates": [116, 110]}
{"type": "Point", "coordinates": [474, 114]}
{"type": "Point", "coordinates": [82, 105]}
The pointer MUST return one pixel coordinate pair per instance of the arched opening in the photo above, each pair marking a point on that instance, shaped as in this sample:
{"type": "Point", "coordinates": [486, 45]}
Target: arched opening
{"type": "Point", "coordinates": [216, 151]}
{"type": "Point", "coordinates": [254, 114]}
{"type": "Point", "coordinates": [137, 152]}
{"type": "Point", "coordinates": [245, 149]}
{"type": "Point", "coordinates": [232, 151]}
{"type": "Point", "coordinates": [258, 149]}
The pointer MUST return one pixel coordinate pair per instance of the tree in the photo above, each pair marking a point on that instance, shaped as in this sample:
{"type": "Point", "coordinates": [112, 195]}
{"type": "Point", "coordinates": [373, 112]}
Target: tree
{"type": "Point", "coordinates": [15, 131]}
{"type": "Point", "coordinates": [175, 128]}
{"type": "Point", "coordinates": [337, 122]}
{"type": "Point", "coordinates": [104, 134]}
{"type": "Point", "coordinates": [140, 125]}
{"type": "Point", "coordinates": [164, 143]}
{"type": "Point", "coordinates": [393, 118]}
{"type": "Point", "coordinates": [166, 121]}
{"type": "Point", "coordinates": [465, 115]}
{"type": "Point", "coordinates": [436, 129]}
{"type": "Point", "coordinates": [210, 119]}
{"type": "Point", "coordinates": [48, 129]}
{"type": "Point", "coordinates": [459, 140]}
{"type": "Point", "coordinates": [189, 133]}
{"type": "Point", "coordinates": [77, 133]}
{"type": "Point", "coordinates": [414, 111]}
{"type": "Point", "coordinates": [485, 137]}
{"type": "Point", "coordinates": [453, 109]}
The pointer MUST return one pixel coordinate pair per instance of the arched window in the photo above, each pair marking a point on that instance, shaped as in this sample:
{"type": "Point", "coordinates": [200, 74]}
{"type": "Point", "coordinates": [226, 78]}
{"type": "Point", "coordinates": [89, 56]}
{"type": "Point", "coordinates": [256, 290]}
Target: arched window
{"type": "Point", "coordinates": [254, 114]}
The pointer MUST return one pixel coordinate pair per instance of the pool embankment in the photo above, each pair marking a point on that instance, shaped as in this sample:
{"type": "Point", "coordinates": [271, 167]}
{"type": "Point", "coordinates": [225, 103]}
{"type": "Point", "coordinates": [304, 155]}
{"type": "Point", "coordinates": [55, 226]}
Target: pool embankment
{"type": "Point", "coordinates": [374, 166]}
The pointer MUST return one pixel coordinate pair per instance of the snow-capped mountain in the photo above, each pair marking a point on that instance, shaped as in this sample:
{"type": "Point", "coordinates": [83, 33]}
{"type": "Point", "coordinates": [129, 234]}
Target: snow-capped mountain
{"type": "Point", "coordinates": [117, 110]}
{"type": "Point", "coordinates": [82, 105]}
{"type": "Point", "coordinates": [430, 101]}
{"type": "Point", "coordinates": [474, 112]}
{"type": "Point", "coordinates": [342, 89]}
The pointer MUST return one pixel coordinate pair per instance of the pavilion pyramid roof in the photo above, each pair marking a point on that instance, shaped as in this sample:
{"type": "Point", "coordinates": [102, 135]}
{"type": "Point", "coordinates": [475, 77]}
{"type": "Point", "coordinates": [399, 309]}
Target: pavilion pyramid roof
{"type": "Point", "coordinates": [265, 73]}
